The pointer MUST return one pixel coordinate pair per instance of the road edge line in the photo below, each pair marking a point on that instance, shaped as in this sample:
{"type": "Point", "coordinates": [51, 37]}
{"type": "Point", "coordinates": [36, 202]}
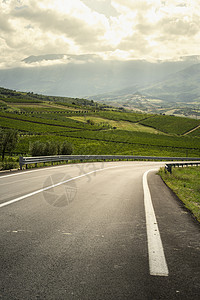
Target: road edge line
{"type": "Point", "coordinates": [157, 261]}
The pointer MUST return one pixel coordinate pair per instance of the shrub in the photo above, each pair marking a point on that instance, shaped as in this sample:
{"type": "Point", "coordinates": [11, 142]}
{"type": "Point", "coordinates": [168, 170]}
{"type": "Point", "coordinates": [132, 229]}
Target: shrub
{"type": "Point", "coordinates": [9, 163]}
{"type": "Point", "coordinates": [91, 122]}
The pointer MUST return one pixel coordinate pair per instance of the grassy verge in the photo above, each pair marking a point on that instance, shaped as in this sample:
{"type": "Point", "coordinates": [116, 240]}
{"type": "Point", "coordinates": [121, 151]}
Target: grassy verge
{"type": "Point", "coordinates": [9, 163]}
{"type": "Point", "coordinates": [185, 182]}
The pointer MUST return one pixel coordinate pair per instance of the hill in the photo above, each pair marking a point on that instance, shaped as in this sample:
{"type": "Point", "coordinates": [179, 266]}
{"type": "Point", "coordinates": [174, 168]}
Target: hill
{"type": "Point", "coordinates": [95, 129]}
{"type": "Point", "coordinates": [182, 86]}
{"type": "Point", "coordinates": [178, 93]}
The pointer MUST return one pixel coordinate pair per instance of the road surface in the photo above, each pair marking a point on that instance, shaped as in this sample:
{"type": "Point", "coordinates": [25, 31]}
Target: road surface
{"type": "Point", "coordinates": [96, 231]}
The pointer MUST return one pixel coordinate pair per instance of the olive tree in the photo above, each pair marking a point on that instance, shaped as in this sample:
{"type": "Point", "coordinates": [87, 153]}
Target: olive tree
{"type": "Point", "coordinates": [8, 141]}
{"type": "Point", "coordinates": [66, 148]}
{"type": "Point", "coordinates": [48, 148]}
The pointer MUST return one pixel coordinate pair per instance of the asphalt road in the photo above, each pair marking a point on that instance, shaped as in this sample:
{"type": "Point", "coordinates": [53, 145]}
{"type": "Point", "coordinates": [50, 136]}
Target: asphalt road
{"type": "Point", "coordinates": [89, 231]}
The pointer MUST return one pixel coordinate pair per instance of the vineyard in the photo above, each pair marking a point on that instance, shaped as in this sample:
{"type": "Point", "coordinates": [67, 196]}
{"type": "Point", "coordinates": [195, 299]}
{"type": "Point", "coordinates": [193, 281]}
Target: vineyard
{"type": "Point", "coordinates": [171, 124]}
{"type": "Point", "coordinates": [95, 129]}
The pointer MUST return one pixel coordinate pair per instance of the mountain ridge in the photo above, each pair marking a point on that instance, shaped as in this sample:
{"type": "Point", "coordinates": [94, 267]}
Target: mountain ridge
{"type": "Point", "coordinates": [189, 78]}
{"type": "Point", "coordinates": [85, 75]}
{"type": "Point", "coordinates": [182, 86]}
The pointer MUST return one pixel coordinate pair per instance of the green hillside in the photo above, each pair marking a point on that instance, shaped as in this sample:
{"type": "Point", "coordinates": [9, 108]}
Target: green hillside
{"type": "Point", "coordinates": [93, 128]}
{"type": "Point", "coordinates": [182, 86]}
{"type": "Point", "coordinates": [171, 124]}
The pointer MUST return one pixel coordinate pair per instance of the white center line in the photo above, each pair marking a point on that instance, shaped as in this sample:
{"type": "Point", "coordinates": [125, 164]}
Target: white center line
{"type": "Point", "coordinates": [157, 261]}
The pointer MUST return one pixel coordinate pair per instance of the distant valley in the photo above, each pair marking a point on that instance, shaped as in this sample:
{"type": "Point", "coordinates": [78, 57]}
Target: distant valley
{"type": "Point", "coordinates": [170, 87]}
{"type": "Point", "coordinates": [178, 93]}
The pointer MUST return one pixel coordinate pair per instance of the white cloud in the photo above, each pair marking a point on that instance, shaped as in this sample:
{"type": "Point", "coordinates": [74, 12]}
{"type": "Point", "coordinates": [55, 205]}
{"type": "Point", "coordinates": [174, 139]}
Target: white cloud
{"type": "Point", "coordinates": [110, 28]}
{"type": "Point", "coordinates": [161, 29]}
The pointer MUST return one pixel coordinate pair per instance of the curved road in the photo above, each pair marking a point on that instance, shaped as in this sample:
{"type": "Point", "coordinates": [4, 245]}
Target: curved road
{"type": "Point", "coordinates": [96, 231]}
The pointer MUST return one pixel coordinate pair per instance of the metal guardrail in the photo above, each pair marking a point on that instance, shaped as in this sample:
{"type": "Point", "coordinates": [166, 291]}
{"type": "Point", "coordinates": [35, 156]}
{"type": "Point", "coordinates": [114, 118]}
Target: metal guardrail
{"type": "Point", "coordinates": [44, 159]}
{"type": "Point", "coordinates": [168, 167]}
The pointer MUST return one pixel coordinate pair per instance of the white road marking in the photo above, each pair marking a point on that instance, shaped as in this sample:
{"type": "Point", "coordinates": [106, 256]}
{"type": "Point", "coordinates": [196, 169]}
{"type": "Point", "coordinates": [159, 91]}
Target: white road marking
{"type": "Point", "coordinates": [157, 261]}
{"type": "Point", "coordinates": [52, 186]}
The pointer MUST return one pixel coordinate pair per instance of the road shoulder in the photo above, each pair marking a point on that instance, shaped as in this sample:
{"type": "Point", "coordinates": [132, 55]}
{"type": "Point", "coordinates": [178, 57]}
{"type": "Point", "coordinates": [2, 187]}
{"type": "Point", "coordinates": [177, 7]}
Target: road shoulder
{"type": "Point", "coordinates": [180, 235]}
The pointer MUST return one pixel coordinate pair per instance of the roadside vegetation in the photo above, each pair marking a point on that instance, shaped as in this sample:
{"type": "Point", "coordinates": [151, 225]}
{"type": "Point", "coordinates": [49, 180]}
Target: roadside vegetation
{"type": "Point", "coordinates": [48, 148]}
{"type": "Point", "coordinates": [185, 183]}
{"type": "Point", "coordinates": [8, 142]}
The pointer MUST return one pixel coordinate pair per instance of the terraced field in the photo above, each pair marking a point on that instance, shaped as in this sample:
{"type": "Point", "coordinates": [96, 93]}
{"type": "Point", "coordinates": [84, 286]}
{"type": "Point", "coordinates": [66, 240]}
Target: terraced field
{"type": "Point", "coordinates": [171, 124]}
{"type": "Point", "coordinates": [122, 125]}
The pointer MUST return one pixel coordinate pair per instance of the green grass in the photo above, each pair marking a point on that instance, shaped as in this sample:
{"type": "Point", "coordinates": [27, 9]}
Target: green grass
{"type": "Point", "coordinates": [119, 141]}
{"type": "Point", "coordinates": [9, 163]}
{"type": "Point", "coordinates": [123, 116]}
{"type": "Point", "coordinates": [195, 133]}
{"type": "Point", "coordinates": [142, 138]}
{"type": "Point", "coordinates": [122, 125]}
{"type": "Point", "coordinates": [13, 96]}
{"type": "Point", "coordinates": [39, 108]}
{"type": "Point", "coordinates": [17, 100]}
{"type": "Point", "coordinates": [185, 182]}
{"type": "Point", "coordinates": [92, 146]}
{"type": "Point", "coordinates": [34, 128]}
{"type": "Point", "coordinates": [49, 120]}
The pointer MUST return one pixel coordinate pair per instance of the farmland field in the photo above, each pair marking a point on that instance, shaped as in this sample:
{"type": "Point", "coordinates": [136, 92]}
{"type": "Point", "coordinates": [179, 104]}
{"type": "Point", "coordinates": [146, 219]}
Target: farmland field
{"type": "Point", "coordinates": [195, 133]}
{"type": "Point", "coordinates": [121, 116]}
{"type": "Point", "coordinates": [93, 128]}
{"type": "Point", "coordinates": [171, 124]}
{"type": "Point", "coordinates": [123, 125]}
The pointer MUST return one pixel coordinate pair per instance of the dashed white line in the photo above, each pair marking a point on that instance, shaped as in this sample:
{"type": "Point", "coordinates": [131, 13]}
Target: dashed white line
{"type": "Point", "coordinates": [157, 262]}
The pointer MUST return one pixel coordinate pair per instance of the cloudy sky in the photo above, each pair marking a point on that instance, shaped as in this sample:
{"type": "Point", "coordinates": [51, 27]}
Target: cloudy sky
{"type": "Point", "coordinates": [113, 29]}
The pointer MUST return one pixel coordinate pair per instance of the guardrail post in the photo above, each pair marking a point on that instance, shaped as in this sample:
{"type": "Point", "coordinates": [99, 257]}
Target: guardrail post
{"type": "Point", "coordinates": [169, 168]}
{"type": "Point", "coordinates": [20, 162]}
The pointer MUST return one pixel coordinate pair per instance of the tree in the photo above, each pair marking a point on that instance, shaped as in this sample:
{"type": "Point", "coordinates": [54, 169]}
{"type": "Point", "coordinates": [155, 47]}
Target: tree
{"type": "Point", "coordinates": [59, 147]}
{"type": "Point", "coordinates": [37, 148]}
{"type": "Point", "coordinates": [43, 149]}
{"type": "Point", "coordinates": [66, 148]}
{"type": "Point", "coordinates": [91, 122]}
{"type": "Point", "coordinates": [50, 148]}
{"type": "Point", "coordinates": [8, 141]}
